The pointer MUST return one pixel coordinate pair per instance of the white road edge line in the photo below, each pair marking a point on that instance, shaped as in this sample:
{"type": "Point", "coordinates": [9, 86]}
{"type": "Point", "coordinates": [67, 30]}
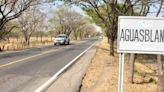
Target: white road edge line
{"type": "Point", "coordinates": [48, 83]}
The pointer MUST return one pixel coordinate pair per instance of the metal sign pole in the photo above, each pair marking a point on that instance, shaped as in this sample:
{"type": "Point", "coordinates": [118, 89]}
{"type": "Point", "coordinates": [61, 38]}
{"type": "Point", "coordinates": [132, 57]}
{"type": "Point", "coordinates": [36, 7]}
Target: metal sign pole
{"type": "Point", "coordinates": [121, 72]}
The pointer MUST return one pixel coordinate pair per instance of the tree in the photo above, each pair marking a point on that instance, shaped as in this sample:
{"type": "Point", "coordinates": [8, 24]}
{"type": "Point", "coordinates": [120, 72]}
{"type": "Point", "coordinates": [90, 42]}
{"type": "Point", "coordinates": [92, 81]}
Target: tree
{"type": "Point", "coordinates": [15, 32]}
{"type": "Point", "coordinates": [68, 21]}
{"type": "Point", "coordinates": [29, 22]}
{"type": "Point", "coordinates": [159, 61]}
{"type": "Point", "coordinates": [90, 30]}
{"type": "Point", "coordinates": [61, 19]}
{"type": "Point", "coordinates": [12, 9]}
{"type": "Point", "coordinates": [79, 27]}
{"type": "Point", "coordinates": [107, 13]}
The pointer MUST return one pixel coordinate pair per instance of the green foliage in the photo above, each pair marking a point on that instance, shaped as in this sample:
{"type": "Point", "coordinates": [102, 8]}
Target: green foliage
{"type": "Point", "coordinates": [15, 33]}
{"type": "Point", "coordinates": [152, 80]}
{"type": "Point", "coordinates": [142, 74]}
{"type": "Point", "coordinates": [95, 18]}
{"type": "Point", "coordinates": [13, 29]}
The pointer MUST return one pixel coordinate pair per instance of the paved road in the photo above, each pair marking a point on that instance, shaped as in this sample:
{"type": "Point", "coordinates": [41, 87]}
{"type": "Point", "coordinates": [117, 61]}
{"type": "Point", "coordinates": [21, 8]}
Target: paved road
{"type": "Point", "coordinates": [24, 71]}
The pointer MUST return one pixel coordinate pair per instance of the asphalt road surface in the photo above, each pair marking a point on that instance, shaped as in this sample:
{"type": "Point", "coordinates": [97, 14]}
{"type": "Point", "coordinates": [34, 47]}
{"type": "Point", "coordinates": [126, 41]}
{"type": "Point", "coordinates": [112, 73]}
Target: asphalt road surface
{"type": "Point", "coordinates": [24, 71]}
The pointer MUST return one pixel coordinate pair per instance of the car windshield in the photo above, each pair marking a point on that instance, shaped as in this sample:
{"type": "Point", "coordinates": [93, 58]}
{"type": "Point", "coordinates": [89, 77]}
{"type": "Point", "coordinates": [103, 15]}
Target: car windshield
{"type": "Point", "coordinates": [61, 36]}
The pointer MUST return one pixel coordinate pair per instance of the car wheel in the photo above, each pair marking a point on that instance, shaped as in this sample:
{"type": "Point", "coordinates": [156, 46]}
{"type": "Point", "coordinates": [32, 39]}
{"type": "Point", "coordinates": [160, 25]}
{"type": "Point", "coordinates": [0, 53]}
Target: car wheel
{"type": "Point", "coordinates": [54, 43]}
{"type": "Point", "coordinates": [67, 43]}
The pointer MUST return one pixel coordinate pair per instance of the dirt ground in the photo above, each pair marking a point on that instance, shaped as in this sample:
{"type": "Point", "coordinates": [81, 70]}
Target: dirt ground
{"type": "Point", "coordinates": [102, 74]}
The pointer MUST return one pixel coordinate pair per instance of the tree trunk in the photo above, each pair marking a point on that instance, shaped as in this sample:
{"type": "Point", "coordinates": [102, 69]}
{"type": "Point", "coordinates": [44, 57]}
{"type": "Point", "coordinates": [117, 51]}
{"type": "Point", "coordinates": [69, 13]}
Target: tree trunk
{"type": "Point", "coordinates": [160, 7]}
{"type": "Point", "coordinates": [41, 37]}
{"type": "Point", "coordinates": [27, 41]}
{"type": "Point", "coordinates": [0, 49]}
{"type": "Point", "coordinates": [131, 68]}
{"type": "Point", "coordinates": [108, 40]}
{"type": "Point", "coordinates": [112, 47]}
{"type": "Point", "coordinates": [160, 87]}
{"type": "Point", "coordinates": [80, 35]}
{"type": "Point", "coordinates": [160, 65]}
{"type": "Point", "coordinates": [76, 36]}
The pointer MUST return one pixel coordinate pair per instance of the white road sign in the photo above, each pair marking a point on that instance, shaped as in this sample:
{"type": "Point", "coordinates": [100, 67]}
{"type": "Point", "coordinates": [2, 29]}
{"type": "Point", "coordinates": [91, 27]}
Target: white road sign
{"type": "Point", "coordinates": [140, 35]}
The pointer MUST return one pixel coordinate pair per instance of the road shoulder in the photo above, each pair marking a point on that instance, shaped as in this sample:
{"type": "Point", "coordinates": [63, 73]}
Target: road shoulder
{"type": "Point", "coordinates": [102, 74]}
{"type": "Point", "coordinates": [72, 78]}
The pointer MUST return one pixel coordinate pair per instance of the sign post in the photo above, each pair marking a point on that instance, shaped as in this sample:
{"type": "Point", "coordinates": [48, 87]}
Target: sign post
{"type": "Point", "coordinates": [121, 72]}
{"type": "Point", "coordinates": [143, 35]}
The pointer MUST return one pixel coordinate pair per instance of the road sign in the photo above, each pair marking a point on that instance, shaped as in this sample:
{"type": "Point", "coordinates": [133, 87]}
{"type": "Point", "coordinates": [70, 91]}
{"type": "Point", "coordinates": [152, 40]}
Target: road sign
{"type": "Point", "coordinates": [140, 35]}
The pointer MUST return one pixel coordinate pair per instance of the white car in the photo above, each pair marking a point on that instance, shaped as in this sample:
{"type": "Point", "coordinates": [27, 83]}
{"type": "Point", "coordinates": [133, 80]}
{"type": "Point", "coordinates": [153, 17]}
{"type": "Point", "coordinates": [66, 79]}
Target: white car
{"type": "Point", "coordinates": [61, 39]}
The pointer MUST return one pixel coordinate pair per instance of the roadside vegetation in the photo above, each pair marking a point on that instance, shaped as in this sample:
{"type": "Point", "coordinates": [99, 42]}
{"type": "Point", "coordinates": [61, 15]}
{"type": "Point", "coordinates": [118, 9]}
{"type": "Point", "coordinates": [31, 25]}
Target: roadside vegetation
{"type": "Point", "coordinates": [105, 13]}
{"type": "Point", "coordinates": [102, 74]}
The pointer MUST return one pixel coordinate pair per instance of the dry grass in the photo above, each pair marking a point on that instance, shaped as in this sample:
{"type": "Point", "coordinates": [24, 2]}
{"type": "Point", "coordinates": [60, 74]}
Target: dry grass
{"type": "Point", "coordinates": [16, 44]}
{"type": "Point", "coordinates": [102, 75]}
